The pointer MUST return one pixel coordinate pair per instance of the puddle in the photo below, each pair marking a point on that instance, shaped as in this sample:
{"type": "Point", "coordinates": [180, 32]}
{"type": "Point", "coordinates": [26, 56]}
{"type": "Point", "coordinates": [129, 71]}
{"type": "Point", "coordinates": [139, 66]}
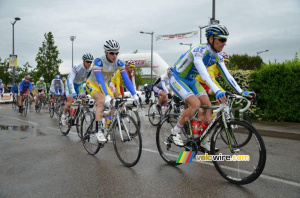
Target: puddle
{"type": "Point", "coordinates": [22, 128]}
{"type": "Point", "coordinates": [16, 128]}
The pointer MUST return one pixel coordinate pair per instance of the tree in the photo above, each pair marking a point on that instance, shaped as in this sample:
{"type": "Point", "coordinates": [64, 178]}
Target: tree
{"type": "Point", "coordinates": [245, 62]}
{"type": "Point", "coordinates": [5, 71]}
{"type": "Point", "coordinates": [47, 59]}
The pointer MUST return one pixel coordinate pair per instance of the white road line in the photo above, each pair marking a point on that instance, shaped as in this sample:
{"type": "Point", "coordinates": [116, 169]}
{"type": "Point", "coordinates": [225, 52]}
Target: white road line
{"type": "Point", "coordinates": [229, 168]}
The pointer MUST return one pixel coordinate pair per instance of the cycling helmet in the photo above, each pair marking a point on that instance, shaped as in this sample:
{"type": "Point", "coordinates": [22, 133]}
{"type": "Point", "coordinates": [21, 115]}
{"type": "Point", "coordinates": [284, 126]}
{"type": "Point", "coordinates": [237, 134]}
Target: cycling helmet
{"type": "Point", "coordinates": [41, 78]}
{"type": "Point", "coordinates": [27, 77]}
{"type": "Point", "coordinates": [87, 57]}
{"type": "Point", "coordinates": [217, 30]}
{"type": "Point", "coordinates": [129, 63]}
{"type": "Point", "coordinates": [111, 45]}
{"type": "Point", "coordinates": [225, 56]}
{"type": "Point", "coordinates": [0, 80]}
{"type": "Point", "coordinates": [57, 77]}
{"type": "Point", "coordinates": [32, 83]}
{"type": "Point", "coordinates": [145, 85]}
{"type": "Point", "coordinates": [48, 83]}
{"type": "Point", "coordinates": [63, 78]}
{"type": "Point", "coordinates": [170, 70]}
{"type": "Point", "coordinates": [17, 84]}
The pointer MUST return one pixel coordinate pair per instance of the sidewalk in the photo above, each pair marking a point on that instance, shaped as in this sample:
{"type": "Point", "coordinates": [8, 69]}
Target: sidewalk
{"type": "Point", "coordinates": [285, 130]}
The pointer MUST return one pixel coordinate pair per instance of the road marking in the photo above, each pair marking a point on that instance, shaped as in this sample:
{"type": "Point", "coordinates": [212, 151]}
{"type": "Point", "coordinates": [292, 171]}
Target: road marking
{"type": "Point", "coordinates": [229, 168]}
{"type": "Point", "coordinates": [20, 120]}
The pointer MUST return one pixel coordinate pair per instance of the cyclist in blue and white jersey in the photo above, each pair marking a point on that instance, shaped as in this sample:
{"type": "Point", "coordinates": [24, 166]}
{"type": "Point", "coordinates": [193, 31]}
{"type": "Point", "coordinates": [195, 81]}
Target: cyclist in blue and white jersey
{"type": "Point", "coordinates": [195, 61]}
{"type": "Point", "coordinates": [73, 83]}
{"type": "Point", "coordinates": [56, 88]}
{"type": "Point", "coordinates": [160, 87]}
{"type": "Point", "coordinates": [1, 88]}
{"type": "Point", "coordinates": [97, 87]}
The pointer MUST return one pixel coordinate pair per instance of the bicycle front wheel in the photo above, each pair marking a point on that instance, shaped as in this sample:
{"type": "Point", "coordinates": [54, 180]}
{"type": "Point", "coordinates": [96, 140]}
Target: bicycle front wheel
{"type": "Point", "coordinates": [25, 106]}
{"type": "Point", "coordinates": [135, 115]}
{"type": "Point", "coordinates": [246, 162]}
{"type": "Point", "coordinates": [167, 149]}
{"type": "Point", "coordinates": [88, 134]}
{"type": "Point", "coordinates": [51, 111]}
{"type": "Point", "coordinates": [128, 147]}
{"type": "Point", "coordinates": [65, 129]}
{"type": "Point", "coordinates": [154, 114]}
{"type": "Point", "coordinates": [78, 122]}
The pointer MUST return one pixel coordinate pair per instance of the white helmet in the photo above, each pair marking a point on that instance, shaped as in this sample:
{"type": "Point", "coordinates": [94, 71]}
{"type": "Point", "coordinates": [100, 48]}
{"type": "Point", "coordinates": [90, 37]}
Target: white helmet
{"type": "Point", "coordinates": [41, 78]}
{"type": "Point", "coordinates": [111, 45]}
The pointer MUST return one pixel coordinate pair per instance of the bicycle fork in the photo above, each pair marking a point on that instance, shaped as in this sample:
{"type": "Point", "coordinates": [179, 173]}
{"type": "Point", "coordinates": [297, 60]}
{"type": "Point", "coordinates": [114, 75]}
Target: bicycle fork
{"type": "Point", "coordinates": [120, 128]}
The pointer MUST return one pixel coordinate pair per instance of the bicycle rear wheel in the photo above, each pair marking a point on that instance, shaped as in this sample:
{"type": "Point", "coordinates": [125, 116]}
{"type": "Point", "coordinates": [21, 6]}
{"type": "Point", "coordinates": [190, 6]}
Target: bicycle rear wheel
{"type": "Point", "coordinates": [39, 105]}
{"type": "Point", "coordinates": [239, 172]}
{"type": "Point", "coordinates": [25, 107]}
{"type": "Point", "coordinates": [88, 134]}
{"type": "Point", "coordinates": [164, 140]}
{"type": "Point", "coordinates": [128, 147]}
{"type": "Point", "coordinates": [51, 111]}
{"type": "Point", "coordinates": [154, 114]}
{"type": "Point", "coordinates": [65, 129]}
{"type": "Point", "coordinates": [78, 122]}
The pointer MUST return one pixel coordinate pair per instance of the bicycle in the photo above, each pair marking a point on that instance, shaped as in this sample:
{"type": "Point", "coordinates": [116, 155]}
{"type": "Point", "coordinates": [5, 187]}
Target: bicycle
{"type": "Point", "coordinates": [231, 136]}
{"type": "Point", "coordinates": [156, 114]}
{"type": "Point", "coordinates": [56, 106]}
{"type": "Point", "coordinates": [74, 117]}
{"type": "Point", "coordinates": [15, 102]}
{"type": "Point", "coordinates": [126, 136]}
{"type": "Point", "coordinates": [24, 104]}
{"type": "Point", "coordinates": [39, 103]}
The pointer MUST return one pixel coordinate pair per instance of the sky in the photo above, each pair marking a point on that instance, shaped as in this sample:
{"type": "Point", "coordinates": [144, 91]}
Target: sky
{"type": "Point", "coordinates": [253, 26]}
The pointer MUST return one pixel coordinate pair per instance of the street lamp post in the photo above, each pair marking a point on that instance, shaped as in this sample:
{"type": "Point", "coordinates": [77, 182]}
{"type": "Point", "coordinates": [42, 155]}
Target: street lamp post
{"type": "Point", "coordinates": [151, 49]}
{"type": "Point", "coordinates": [13, 44]}
{"type": "Point", "coordinates": [190, 44]}
{"type": "Point", "coordinates": [262, 52]}
{"type": "Point", "coordinates": [72, 39]}
{"type": "Point", "coordinates": [201, 32]}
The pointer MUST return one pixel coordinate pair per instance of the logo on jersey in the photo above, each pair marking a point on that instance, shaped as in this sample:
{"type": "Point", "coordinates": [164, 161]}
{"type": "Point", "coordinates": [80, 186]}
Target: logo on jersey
{"type": "Point", "coordinates": [176, 86]}
{"type": "Point", "coordinates": [197, 54]}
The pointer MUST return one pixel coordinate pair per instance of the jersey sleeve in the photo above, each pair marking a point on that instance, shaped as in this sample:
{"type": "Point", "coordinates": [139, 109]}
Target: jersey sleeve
{"type": "Point", "coordinates": [125, 77]}
{"type": "Point", "coordinates": [99, 76]}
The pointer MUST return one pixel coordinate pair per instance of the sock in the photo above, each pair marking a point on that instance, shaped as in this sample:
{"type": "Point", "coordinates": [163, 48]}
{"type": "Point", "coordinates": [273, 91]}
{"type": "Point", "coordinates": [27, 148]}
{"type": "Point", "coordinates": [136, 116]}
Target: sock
{"type": "Point", "coordinates": [177, 128]}
{"type": "Point", "coordinates": [98, 125]}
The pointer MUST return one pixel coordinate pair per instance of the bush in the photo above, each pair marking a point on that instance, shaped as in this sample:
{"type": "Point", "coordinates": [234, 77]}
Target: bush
{"type": "Point", "coordinates": [277, 87]}
{"type": "Point", "coordinates": [245, 62]}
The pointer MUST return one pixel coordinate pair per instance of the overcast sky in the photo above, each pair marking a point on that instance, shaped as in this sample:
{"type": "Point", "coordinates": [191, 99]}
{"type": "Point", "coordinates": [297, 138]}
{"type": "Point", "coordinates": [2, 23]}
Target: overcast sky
{"type": "Point", "coordinates": [254, 26]}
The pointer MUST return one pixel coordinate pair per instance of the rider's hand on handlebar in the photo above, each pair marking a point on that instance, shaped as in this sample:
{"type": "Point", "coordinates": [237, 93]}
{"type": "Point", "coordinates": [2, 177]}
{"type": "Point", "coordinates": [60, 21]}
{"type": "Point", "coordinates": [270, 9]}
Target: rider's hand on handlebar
{"type": "Point", "coordinates": [221, 97]}
{"type": "Point", "coordinates": [74, 95]}
{"type": "Point", "coordinates": [249, 94]}
{"type": "Point", "coordinates": [107, 101]}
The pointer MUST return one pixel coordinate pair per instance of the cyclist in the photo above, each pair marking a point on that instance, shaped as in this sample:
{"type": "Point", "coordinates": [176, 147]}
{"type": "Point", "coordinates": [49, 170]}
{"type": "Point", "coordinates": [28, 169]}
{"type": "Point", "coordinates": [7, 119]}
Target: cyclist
{"type": "Point", "coordinates": [97, 87]}
{"type": "Point", "coordinates": [159, 87]}
{"type": "Point", "coordinates": [57, 87]}
{"type": "Point", "coordinates": [193, 62]}
{"type": "Point", "coordinates": [1, 88]}
{"type": "Point", "coordinates": [117, 83]}
{"type": "Point", "coordinates": [25, 88]}
{"type": "Point", "coordinates": [41, 89]}
{"type": "Point", "coordinates": [73, 83]}
{"type": "Point", "coordinates": [14, 90]}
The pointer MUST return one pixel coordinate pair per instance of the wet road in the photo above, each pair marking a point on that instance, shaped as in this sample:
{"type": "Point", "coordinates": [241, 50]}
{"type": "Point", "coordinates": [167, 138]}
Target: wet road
{"type": "Point", "coordinates": [38, 161]}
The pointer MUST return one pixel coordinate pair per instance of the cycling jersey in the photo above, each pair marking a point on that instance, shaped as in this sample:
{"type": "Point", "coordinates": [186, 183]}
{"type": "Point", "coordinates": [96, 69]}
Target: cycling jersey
{"type": "Point", "coordinates": [25, 86]}
{"type": "Point", "coordinates": [2, 87]}
{"type": "Point", "coordinates": [74, 81]}
{"type": "Point", "coordinates": [196, 60]}
{"type": "Point", "coordinates": [14, 89]}
{"type": "Point", "coordinates": [118, 82]}
{"type": "Point", "coordinates": [213, 72]}
{"type": "Point", "coordinates": [57, 86]}
{"type": "Point", "coordinates": [162, 81]}
{"type": "Point", "coordinates": [41, 86]}
{"type": "Point", "coordinates": [102, 71]}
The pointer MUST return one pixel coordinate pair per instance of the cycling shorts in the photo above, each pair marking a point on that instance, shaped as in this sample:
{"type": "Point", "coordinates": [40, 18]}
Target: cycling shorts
{"type": "Point", "coordinates": [91, 88]}
{"type": "Point", "coordinates": [184, 88]}
{"type": "Point", "coordinates": [78, 89]}
{"type": "Point", "coordinates": [157, 89]}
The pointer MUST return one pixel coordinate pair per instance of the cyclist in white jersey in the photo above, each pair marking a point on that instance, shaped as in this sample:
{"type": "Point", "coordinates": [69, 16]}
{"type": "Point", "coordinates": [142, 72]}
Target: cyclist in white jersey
{"type": "Point", "coordinates": [57, 87]}
{"type": "Point", "coordinates": [192, 63]}
{"type": "Point", "coordinates": [160, 87]}
{"type": "Point", "coordinates": [97, 87]}
{"type": "Point", "coordinates": [73, 83]}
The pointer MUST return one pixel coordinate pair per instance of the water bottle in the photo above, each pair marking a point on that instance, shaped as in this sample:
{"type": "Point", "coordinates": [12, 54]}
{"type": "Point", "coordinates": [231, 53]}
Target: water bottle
{"type": "Point", "coordinates": [108, 122]}
{"type": "Point", "coordinates": [73, 108]}
{"type": "Point", "coordinates": [204, 125]}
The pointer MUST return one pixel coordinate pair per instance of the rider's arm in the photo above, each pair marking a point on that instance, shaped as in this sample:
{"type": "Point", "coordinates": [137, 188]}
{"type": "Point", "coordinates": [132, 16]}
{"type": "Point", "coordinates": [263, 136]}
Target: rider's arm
{"type": "Point", "coordinates": [21, 86]}
{"type": "Point", "coordinates": [52, 87]}
{"type": "Point", "coordinates": [118, 81]}
{"type": "Point", "coordinates": [133, 80]}
{"type": "Point", "coordinates": [228, 78]}
{"type": "Point", "coordinates": [98, 73]}
{"type": "Point", "coordinates": [70, 80]}
{"type": "Point", "coordinates": [198, 62]}
{"type": "Point", "coordinates": [30, 87]}
{"type": "Point", "coordinates": [45, 88]}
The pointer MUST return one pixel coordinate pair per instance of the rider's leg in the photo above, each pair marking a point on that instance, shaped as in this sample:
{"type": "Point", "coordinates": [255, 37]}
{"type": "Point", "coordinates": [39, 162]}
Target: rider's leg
{"type": "Point", "coordinates": [163, 96]}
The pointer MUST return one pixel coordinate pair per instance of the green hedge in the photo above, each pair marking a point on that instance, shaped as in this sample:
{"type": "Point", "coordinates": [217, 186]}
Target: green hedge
{"type": "Point", "coordinates": [277, 86]}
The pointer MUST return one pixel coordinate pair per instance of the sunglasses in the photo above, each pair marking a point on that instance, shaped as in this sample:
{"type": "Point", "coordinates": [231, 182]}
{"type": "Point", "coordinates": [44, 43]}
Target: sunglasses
{"type": "Point", "coordinates": [89, 62]}
{"type": "Point", "coordinates": [113, 53]}
{"type": "Point", "coordinates": [222, 40]}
